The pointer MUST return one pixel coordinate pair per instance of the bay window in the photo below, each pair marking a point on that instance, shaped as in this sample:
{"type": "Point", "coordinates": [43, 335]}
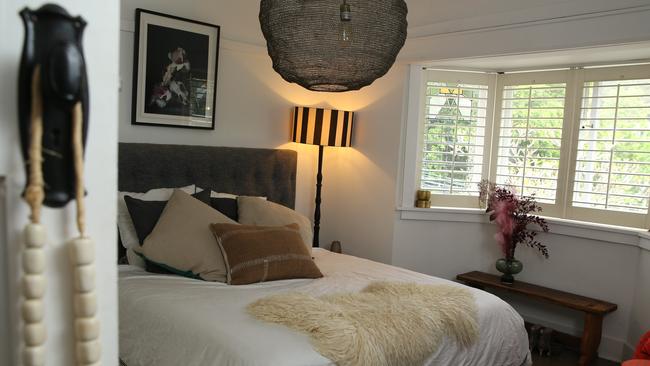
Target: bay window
{"type": "Point", "coordinates": [578, 140]}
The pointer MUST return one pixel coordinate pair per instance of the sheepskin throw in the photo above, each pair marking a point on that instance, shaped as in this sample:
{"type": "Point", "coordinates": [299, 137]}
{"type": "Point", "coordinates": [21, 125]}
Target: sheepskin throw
{"type": "Point", "coordinates": [384, 324]}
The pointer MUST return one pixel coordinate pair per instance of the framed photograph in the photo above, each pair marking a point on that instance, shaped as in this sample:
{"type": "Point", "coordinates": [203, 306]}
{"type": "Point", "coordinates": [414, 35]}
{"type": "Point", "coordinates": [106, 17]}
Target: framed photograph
{"type": "Point", "coordinates": [174, 71]}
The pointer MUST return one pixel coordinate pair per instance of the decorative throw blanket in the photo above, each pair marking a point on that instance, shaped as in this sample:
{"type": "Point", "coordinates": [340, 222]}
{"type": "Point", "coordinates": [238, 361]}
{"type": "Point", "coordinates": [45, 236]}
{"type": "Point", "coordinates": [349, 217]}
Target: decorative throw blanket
{"type": "Point", "coordinates": [384, 324]}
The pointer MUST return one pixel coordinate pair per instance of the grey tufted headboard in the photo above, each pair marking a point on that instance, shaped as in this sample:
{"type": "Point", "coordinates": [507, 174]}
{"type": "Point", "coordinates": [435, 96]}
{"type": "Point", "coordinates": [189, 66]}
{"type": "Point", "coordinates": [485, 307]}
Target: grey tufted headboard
{"type": "Point", "coordinates": [241, 171]}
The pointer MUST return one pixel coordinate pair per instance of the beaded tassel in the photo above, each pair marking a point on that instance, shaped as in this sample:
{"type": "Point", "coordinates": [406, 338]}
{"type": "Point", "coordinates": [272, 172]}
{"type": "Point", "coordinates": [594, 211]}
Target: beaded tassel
{"type": "Point", "coordinates": [82, 257]}
{"type": "Point", "coordinates": [33, 259]}
{"type": "Point", "coordinates": [81, 251]}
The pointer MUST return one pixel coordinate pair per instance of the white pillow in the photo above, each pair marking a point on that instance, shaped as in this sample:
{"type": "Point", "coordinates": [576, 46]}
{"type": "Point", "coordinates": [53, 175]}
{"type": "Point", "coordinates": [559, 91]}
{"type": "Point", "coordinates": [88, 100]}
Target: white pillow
{"type": "Point", "coordinates": [124, 223]}
{"type": "Point", "coordinates": [214, 194]}
{"type": "Point", "coordinates": [134, 259]}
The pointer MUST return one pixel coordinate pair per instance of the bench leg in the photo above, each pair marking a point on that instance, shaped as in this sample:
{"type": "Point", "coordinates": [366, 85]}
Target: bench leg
{"type": "Point", "coordinates": [590, 338]}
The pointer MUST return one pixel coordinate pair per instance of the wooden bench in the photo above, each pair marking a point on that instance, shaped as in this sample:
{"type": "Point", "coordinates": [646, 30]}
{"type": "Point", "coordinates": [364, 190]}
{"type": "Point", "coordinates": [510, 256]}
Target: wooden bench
{"type": "Point", "coordinates": [594, 310]}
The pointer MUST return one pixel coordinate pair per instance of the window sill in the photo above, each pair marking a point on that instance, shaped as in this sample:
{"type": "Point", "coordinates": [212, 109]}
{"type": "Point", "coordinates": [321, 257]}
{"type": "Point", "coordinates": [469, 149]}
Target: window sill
{"type": "Point", "coordinates": [616, 234]}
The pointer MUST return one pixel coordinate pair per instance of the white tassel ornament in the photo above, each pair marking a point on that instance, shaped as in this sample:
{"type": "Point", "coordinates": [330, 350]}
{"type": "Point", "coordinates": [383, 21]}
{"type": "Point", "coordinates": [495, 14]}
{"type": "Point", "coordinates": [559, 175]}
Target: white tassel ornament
{"type": "Point", "coordinates": [85, 305]}
{"type": "Point", "coordinates": [33, 286]}
{"type": "Point", "coordinates": [86, 329]}
{"type": "Point", "coordinates": [33, 261]}
{"type": "Point", "coordinates": [35, 334]}
{"type": "Point", "coordinates": [88, 352]}
{"type": "Point", "coordinates": [34, 356]}
{"type": "Point", "coordinates": [34, 235]}
{"type": "Point", "coordinates": [34, 239]}
{"type": "Point", "coordinates": [81, 250]}
{"type": "Point", "coordinates": [84, 278]}
{"type": "Point", "coordinates": [32, 311]}
{"type": "Point", "coordinates": [82, 257]}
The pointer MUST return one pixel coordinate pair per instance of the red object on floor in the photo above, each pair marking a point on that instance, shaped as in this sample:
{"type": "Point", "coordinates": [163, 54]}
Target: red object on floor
{"type": "Point", "coordinates": [636, 363]}
{"type": "Point", "coordinates": [643, 349]}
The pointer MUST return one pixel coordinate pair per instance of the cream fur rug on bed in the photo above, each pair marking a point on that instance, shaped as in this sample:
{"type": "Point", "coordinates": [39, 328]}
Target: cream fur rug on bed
{"type": "Point", "coordinates": [385, 324]}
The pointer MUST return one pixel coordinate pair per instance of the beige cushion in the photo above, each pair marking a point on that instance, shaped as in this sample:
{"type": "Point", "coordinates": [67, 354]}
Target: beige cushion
{"type": "Point", "coordinates": [125, 226]}
{"type": "Point", "coordinates": [254, 211]}
{"type": "Point", "coordinates": [264, 253]}
{"type": "Point", "coordinates": [182, 241]}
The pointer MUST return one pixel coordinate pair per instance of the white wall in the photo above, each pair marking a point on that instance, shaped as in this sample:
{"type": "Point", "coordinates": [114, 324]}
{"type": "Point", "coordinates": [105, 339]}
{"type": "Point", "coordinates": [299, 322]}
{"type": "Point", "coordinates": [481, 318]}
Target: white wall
{"type": "Point", "coordinates": [4, 291]}
{"type": "Point", "coordinates": [599, 269]}
{"type": "Point", "coordinates": [640, 318]}
{"type": "Point", "coordinates": [360, 184]}
{"type": "Point", "coordinates": [101, 49]}
{"type": "Point", "coordinates": [253, 110]}
{"type": "Point", "coordinates": [360, 188]}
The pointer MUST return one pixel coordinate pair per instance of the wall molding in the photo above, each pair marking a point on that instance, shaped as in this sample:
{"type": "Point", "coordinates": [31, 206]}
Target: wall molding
{"type": "Point", "coordinates": [645, 241]}
{"type": "Point", "coordinates": [128, 26]}
{"type": "Point", "coordinates": [499, 23]}
{"type": "Point", "coordinates": [638, 238]}
{"type": "Point", "coordinates": [561, 33]}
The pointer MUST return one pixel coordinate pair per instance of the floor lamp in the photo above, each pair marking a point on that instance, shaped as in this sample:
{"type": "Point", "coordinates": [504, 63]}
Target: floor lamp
{"type": "Point", "coordinates": [322, 127]}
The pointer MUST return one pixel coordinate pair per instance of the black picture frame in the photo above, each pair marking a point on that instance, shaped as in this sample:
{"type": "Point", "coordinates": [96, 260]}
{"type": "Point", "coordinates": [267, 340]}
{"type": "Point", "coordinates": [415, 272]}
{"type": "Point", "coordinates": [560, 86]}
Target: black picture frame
{"type": "Point", "coordinates": [175, 67]}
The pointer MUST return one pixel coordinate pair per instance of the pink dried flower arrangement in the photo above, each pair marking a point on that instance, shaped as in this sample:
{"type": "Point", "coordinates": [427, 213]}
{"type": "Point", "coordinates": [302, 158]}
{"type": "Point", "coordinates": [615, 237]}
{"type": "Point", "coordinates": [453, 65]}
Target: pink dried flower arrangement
{"type": "Point", "coordinates": [512, 215]}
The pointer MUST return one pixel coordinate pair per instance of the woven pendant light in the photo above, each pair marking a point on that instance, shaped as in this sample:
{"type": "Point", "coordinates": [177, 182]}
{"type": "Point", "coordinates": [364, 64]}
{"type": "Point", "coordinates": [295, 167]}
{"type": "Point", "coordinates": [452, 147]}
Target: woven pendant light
{"type": "Point", "coordinates": [333, 45]}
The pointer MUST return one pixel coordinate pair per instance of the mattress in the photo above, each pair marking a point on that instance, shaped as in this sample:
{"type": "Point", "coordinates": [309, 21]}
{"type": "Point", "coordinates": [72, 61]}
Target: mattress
{"type": "Point", "coordinates": [170, 320]}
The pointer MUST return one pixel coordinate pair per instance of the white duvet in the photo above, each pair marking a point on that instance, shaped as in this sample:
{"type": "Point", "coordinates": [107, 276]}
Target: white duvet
{"type": "Point", "coordinates": [174, 321]}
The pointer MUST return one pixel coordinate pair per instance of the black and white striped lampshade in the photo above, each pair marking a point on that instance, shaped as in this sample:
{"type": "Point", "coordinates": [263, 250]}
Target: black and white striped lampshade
{"type": "Point", "coordinates": [325, 127]}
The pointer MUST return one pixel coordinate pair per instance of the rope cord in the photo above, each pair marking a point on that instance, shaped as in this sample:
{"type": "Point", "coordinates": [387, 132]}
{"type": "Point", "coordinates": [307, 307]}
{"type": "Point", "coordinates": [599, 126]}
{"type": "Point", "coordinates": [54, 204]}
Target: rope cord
{"type": "Point", "coordinates": [34, 194]}
{"type": "Point", "coordinates": [77, 150]}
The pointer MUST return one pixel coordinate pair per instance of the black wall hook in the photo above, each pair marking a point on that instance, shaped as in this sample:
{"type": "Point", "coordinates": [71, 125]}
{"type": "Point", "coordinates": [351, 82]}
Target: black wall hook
{"type": "Point", "coordinates": [53, 41]}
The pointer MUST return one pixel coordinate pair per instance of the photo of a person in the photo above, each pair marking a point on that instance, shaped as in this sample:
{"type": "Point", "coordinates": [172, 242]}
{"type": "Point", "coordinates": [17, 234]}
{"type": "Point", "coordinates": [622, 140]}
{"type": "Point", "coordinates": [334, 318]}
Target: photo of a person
{"type": "Point", "coordinates": [176, 72]}
{"type": "Point", "coordinates": [175, 66]}
{"type": "Point", "coordinates": [173, 81]}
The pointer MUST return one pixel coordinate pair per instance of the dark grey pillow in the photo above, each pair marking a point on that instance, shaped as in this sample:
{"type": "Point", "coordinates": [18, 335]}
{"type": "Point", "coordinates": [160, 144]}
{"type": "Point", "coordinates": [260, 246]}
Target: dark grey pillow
{"type": "Point", "coordinates": [145, 215]}
{"type": "Point", "coordinates": [227, 206]}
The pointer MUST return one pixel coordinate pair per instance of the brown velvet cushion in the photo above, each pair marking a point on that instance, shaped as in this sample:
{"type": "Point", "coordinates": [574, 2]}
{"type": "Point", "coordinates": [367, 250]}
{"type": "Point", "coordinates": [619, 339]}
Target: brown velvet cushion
{"type": "Point", "coordinates": [263, 253]}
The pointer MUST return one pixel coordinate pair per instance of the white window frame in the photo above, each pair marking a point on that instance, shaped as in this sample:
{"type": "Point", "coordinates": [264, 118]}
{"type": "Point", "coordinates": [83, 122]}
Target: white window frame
{"type": "Point", "coordinates": [542, 77]}
{"type": "Point", "coordinates": [591, 214]}
{"type": "Point", "coordinates": [574, 80]}
{"type": "Point", "coordinates": [415, 131]}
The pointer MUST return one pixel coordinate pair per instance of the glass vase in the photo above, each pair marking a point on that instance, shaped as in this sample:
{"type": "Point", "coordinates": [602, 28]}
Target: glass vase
{"type": "Point", "coordinates": [509, 268]}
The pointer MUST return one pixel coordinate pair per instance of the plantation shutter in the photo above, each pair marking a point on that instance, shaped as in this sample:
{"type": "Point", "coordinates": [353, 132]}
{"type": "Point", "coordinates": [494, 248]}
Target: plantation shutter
{"type": "Point", "coordinates": [530, 139]}
{"type": "Point", "coordinates": [577, 140]}
{"type": "Point", "coordinates": [612, 168]}
{"type": "Point", "coordinates": [453, 141]}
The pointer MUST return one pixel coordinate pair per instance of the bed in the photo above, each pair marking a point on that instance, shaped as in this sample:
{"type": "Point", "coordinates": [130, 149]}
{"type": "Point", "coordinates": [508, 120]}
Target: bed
{"type": "Point", "coordinates": [170, 320]}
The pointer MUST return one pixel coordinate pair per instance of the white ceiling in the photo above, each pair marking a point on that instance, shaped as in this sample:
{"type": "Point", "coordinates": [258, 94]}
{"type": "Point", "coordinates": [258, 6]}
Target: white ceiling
{"type": "Point", "coordinates": [239, 21]}
{"type": "Point", "coordinates": [239, 18]}
{"type": "Point", "coordinates": [434, 17]}
{"type": "Point", "coordinates": [426, 12]}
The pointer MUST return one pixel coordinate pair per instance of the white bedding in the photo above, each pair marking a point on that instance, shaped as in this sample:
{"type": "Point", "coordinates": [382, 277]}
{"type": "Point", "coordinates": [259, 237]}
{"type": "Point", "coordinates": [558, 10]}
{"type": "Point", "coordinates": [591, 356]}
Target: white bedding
{"type": "Point", "coordinates": [172, 321]}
